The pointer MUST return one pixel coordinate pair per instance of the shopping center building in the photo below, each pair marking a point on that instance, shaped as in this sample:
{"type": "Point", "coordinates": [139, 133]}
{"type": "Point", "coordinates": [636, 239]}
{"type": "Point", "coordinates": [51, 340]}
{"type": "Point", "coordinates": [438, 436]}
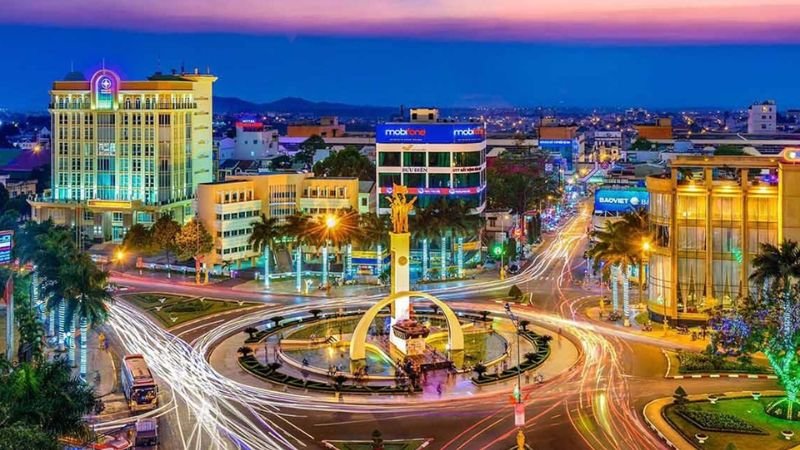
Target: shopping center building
{"type": "Point", "coordinates": [124, 152]}
{"type": "Point", "coordinates": [709, 215]}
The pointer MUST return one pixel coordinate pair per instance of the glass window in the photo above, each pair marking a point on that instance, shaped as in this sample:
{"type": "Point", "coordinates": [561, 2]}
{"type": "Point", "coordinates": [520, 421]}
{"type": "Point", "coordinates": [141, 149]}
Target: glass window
{"type": "Point", "coordinates": [439, 180]}
{"type": "Point", "coordinates": [388, 179]}
{"type": "Point", "coordinates": [414, 179]}
{"type": "Point", "coordinates": [691, 207]}
{"type": "Point", "coordinates": [389, 159]}
{"type": "Point", "coordinates": [414, 159]}
{"type": "Point", "coordinates": [466, 159]}
{"type": "Point", "coordinates": [439, 159]}
{"type": "Point", "coordinates": [467, 179]}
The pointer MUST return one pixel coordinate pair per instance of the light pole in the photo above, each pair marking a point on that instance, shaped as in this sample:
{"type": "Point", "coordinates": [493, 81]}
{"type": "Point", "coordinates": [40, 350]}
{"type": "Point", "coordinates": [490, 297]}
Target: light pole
{"type": "Point", "coordinates": [518, 394]}
{"type": "Point", "coordinates": [330, 225]}
{"type": "Point", "coordinates": [645, 251]}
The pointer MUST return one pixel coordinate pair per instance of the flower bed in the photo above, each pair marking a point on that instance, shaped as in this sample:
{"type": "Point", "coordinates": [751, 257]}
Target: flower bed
{"type": "Point", "coordinates": [542, 344]}
{"type": "Point", "coordinates": [691, 362]}
{"type": "Point", "coordinates": [717, 421]}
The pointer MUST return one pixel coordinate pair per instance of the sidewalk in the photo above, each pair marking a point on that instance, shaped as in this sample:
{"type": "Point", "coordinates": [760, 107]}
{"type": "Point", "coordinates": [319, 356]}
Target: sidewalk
{"type": "Point", "coordinates": [671, 336]}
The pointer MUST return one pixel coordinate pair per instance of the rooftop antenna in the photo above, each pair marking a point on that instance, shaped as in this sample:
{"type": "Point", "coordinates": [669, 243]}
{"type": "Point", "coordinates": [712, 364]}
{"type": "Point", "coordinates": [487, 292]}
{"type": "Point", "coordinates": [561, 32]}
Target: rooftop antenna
{"type": "Point", "coordinates": [182, 69]}
{"type": "Point", "coordinates": [208, 69]}
{"type": "Point", "coordinates": [104, 64]}
{"type": "Point", "coordinates": [72, 66]}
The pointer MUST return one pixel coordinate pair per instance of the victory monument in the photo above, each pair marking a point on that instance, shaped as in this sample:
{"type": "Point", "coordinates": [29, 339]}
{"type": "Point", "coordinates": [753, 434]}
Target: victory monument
{"type": "Point", "coordinates": [407, 335]}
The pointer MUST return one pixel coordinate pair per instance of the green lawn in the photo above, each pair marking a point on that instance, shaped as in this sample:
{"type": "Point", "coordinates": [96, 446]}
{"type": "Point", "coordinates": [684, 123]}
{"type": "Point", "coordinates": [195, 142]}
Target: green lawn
{"type": "Point", "coordinates": [749, 410]}
{"type": "Point", "coordinates": [177, 309]}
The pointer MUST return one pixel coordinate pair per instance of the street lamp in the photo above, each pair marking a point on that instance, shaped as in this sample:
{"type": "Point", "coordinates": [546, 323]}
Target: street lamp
{"type": "Point", "coordinates": [330, 224]}
{"type": "Point", "coordinates": [645, 250]}
{"type": "Point", "coordinates": [518, 391]}
{"type": "Point", "coordinates": [119, 255]}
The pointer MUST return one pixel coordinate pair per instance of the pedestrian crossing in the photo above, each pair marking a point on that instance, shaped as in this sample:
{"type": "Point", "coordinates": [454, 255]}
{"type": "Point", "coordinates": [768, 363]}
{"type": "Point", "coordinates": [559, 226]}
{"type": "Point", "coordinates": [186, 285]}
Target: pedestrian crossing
{"type": "Point", "coordinates": [543, 278]}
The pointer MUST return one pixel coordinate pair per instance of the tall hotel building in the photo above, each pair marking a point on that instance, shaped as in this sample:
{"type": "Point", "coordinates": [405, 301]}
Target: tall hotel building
{"type": "Point", "coordinates": [124, 152]}
{"type": "Point", "coordinates": [709, 216]}
{"type": "Point", "coordinates": [433, 159]}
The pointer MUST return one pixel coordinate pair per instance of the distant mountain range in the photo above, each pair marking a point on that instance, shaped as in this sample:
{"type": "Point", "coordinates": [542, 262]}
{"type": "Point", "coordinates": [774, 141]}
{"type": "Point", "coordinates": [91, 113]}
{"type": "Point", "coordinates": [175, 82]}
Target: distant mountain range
{"type": "Point", "coordinates": [232, 105]}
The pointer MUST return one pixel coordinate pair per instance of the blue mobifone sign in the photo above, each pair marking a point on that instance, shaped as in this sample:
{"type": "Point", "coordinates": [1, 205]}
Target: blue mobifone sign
{"type": "Point", "coordinates": [620, 200]}
{"type": "Point", "coordinates": [429, 133]}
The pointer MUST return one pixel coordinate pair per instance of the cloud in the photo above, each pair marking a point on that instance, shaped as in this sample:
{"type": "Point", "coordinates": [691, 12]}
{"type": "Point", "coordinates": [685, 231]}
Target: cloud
{"type": "Point", "coordinates": [700, 21]}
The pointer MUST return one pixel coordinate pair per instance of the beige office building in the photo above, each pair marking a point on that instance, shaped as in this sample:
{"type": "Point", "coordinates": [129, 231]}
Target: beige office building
{"type": "Point", "coordinates": [125, 151]}
{"type": "Point", "coordinates": [229, 208]}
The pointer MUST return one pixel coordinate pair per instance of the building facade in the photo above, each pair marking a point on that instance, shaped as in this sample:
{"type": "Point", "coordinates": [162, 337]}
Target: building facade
{"type": "Point", "coordinates": [254, 141]}
{"type": "Point", "coordinates": [709, 216]}
{"type": "Point", "coordinates": [433, 159]}
{"type": "Point", "coordinates": [762, 118]}
{"type": "Point", "coordinates": [327, 126]}
{"type": "Point", "coordinates": [124, 152]}
{"type": "Point", "coordinates": [229, 208]}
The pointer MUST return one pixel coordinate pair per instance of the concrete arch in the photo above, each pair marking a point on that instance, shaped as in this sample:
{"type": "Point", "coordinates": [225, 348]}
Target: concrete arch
{"type": "Point", "coordinates": [357, 342]}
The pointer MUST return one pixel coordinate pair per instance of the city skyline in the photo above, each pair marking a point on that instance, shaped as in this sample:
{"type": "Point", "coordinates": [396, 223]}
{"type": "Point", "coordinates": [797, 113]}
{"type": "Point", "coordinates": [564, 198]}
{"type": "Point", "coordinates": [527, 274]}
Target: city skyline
{"type": "Point", "coordinates": [718, 55]}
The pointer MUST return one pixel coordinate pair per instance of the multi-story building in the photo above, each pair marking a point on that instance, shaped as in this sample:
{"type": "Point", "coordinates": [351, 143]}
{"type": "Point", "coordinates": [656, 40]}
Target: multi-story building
{"type": "Point", "coordinates": [709, 215]}
{"type": "Point", "coordinates": [762, 118]}
{"type": "Point", "coordinates": [662, 129]}
{"type": "Point", "coordinates": [607, 145]}
{"type": "Point", "coordinates": [564, 144]}
{"type": "Point", "coordinates": [433, 159]}
{"type": "Point", "coordinates": [253, 141]}
{"type": "Point", "coordinates": [327, 126]}
{"type": "Point", "coordinates": [228, 208]}
{"type": "Point", "coordinates": [125, 151]}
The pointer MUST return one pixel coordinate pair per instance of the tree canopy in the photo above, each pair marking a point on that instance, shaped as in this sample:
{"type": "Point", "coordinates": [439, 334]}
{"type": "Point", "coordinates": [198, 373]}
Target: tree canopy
{"type": "Point", "coordinates": [520, 185]}
{"type": "Point", "coordinates": [308, 148]}
{"type": "Point", "coordinates": [348, 162]}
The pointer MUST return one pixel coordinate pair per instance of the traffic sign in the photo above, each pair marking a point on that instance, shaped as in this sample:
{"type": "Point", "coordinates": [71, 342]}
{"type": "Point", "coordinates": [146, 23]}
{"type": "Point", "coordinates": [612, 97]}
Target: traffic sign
{"type": "Point", "coordinates": [519, 415]}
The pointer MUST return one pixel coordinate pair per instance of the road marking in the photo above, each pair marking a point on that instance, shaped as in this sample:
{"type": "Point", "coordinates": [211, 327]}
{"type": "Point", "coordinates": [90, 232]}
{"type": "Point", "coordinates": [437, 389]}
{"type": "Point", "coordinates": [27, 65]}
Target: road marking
{"type": "Point", "coordinates": [199, 326]}
{"type": "Point", "coordinates": [714, 375]}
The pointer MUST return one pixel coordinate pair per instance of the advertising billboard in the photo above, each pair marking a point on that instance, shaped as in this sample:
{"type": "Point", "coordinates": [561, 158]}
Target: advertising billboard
{"type": "Point", "coordinates": [619, 200]}
{"type": "Point", "coordinates": [437, 191]}
{"type": "Point", "coordinates": [430, 133]}
{"type": "Point", "coordinates": [6, 245]}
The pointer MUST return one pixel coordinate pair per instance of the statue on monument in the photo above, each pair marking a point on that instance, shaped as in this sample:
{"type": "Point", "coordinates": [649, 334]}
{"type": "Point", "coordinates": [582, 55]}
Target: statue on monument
{"type": "Point", "coordinates": [400, 208]}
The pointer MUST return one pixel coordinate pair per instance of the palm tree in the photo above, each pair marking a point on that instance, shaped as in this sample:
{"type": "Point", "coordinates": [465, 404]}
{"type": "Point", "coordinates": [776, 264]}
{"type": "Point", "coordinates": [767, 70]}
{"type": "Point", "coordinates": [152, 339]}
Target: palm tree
{"type": "Point", "coordinates": [297, 227]}
{"type": "Point", "coordinates": [615, 249]}
{"type": "Point", "coordinates": [637, 225]}
{"type": "Point", "coordinates": [374, 234]}
{"type": "Point", "coordinates": [338, 229]}
{"type": "Point", "coordinates": [53, 249]}
{"type": "Point", "coordinates": [265, 232]}
{"type": "Point", "coordinates": [777, 265]}
{"type": "Point", "coordinates": [84, 288]}
{"type": "Point", "coordinates": [424, 229]}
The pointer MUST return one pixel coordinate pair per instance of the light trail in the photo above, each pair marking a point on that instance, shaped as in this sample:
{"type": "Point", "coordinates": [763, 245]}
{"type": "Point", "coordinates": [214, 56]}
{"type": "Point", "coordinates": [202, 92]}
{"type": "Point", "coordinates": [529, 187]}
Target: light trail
{"type": "Point", "coordinates": [226, 414]}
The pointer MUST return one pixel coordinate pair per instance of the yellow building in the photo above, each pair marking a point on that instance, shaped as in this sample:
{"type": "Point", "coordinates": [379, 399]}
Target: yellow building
{"type": "Point", "coordinates": [124, 151]}
{"type": "Point", "coordinates": [229, 208]}
{"type": "Point", "coordinates": [708, 216]}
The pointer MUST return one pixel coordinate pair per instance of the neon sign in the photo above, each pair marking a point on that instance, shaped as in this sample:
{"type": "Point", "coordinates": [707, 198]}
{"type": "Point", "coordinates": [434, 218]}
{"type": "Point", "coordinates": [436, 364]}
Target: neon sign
{"type": "Point", "coordinates": [105, 85]}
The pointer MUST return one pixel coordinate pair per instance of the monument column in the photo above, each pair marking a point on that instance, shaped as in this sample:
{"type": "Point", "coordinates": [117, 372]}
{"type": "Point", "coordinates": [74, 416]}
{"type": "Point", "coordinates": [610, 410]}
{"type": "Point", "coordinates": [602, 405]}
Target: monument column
{"type": "Point", "coordinates": [400, 244]}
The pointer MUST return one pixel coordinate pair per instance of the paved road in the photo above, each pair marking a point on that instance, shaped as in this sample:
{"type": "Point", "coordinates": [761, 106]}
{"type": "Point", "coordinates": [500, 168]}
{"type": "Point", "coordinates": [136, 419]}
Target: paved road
{"type": "Point", "coordinates": [597, 405]}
